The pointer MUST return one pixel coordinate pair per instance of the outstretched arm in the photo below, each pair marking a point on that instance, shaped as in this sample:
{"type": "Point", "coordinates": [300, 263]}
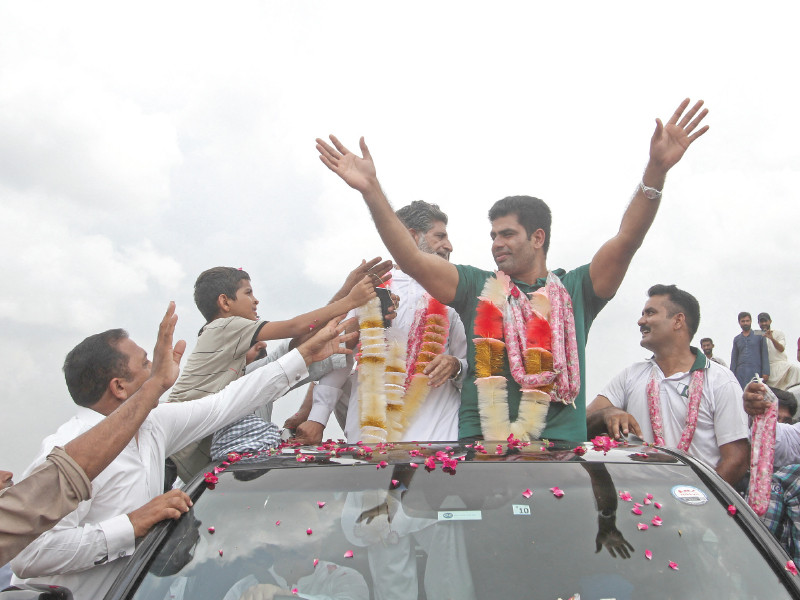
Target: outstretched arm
{"type": "Point", "coordinates": [667, 146]}
{"type": "Point", "coordinates": [435, 274]}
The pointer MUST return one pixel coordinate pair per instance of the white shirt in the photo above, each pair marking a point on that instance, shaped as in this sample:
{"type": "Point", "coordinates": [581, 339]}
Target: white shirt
{"type": "Point", "coordinates": [437, 418]}
{"type": "Point", "coordinates": [87, 549]}
{"type": "Point", "coordinates": [721, 418]}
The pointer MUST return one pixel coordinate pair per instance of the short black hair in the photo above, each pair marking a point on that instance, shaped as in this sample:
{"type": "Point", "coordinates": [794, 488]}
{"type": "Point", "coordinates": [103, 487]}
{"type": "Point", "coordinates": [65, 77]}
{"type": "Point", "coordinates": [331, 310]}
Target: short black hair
{"type": "Point", "coordinates": [420, 215]}
{"type": "Point", "coordinates": [92, 364]}
{"type": "Point", "coordinates": [786, 399]}
{"type": "Point", "coordinates": [706, 340]}
{"type": "Point", "coordinates": [532, 213]}
{"type": "Point", "coordinates": [682, 302]}
{"type": "Point", "coordinates": [213, 282]}
{"type": "Point", "coordinates": [742, 315]}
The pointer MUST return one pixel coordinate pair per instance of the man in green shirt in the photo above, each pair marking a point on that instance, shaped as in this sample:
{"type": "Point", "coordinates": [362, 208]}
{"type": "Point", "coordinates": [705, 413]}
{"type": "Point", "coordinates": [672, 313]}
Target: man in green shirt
{"type": "Point", "coordinates": [520, 240]}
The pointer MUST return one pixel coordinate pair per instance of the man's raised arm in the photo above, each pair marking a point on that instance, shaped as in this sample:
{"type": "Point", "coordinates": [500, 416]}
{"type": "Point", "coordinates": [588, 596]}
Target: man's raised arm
{"type": "Point", "coordinates": [667, 146]}
{"type": "Point", "coordinates": [438, 276]}
{"type": "Point", "coordinates": [98, 447]}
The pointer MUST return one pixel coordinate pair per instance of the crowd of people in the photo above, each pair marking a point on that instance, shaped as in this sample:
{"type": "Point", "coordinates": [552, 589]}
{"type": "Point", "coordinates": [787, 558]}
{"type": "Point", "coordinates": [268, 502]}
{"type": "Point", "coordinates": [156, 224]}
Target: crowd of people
{"type": "Point", "coordinates": [469, 354]}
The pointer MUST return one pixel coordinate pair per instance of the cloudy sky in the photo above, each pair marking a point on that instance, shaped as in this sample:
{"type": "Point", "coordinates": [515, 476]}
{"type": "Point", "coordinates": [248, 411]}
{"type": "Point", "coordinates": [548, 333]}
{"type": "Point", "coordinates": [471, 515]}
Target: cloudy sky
{"type": "Point", "coordinates": [141, 144]}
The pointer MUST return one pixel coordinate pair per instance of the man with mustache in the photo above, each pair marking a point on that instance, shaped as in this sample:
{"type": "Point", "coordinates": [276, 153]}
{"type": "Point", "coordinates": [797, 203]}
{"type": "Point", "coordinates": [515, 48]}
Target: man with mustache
{"type": "Point", "coordinates": [520, 241]}
{"type": "Point", "coordinates": [678, 397]}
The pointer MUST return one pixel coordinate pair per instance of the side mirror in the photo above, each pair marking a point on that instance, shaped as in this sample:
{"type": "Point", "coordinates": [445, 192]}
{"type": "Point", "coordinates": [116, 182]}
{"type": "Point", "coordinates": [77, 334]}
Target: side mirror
{"type": "Point", "coordinates": [36, 591]}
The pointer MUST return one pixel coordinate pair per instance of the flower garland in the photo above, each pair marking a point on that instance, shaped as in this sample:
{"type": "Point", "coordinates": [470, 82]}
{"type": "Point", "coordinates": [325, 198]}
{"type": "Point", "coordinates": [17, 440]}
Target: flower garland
{"type": "Point", "coordinates": [391, 384]}
{"type": "Point", "coordinates": [654, 406]}
{"type": "Point", "coordinates": [542, 355]}
{"type": "Point", "coordinates": [762, 454]}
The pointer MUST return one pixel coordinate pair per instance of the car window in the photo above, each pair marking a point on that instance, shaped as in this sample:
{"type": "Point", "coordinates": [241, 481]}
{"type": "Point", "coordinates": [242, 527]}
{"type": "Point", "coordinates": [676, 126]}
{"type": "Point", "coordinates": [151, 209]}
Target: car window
{"type": "Point", "coordinates": [491, 530]}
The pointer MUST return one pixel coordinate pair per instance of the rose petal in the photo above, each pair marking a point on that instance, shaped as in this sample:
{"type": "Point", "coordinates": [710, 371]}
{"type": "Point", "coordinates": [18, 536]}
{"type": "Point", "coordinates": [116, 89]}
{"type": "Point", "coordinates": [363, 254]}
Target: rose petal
{"type": "Point", "coordinates": [625, 496]}
{"type": "Point", "coordinates": [294, 591]}
{"type": "Point", "coordinates": [320, 504]}
{"type": "Point", "coordinates": [557, 492]}
{"type": "Point", "coordinates": [638, 505]}
{"type": "Point", "coordinates": [642, 526]}
{"type": "Point", "coordinates": [527, 493]}
{"type": "Point", "coordinates": [316, 562]}
{"type": "Point", "coordinates": [579, 450]}
{"type": "Point", "coordinates": [647, 501]}
{"type": "Point", "coordinates": [395, 482]}
{"type": "Point", "coordinates": [649, 496]}
{"type": "Point", "coordinates": [277, 523]}
{"type": "Point", "coordinates": [657, 504]}
{"type": "Point", "coordinates": [383, 464]}
{"type": "Point", "coordinates": [673, 565]}
{"type": "Point", "coordinates": [220, 552]}
{"type": "Point", "coordinates": [308, 531]}
{"type": "Point", "coordinates": [636, 510]}
{"type": "Point", "coordinates": [731, 509]}
{"type": "Point", "coordinates": [648, 555]}
{"type": "Point", "coordinates": [211, 530]}
{"type": "Point", "coordinates": [657, 521]}
{"type": "Point", "coordinates": [348, 554]}
{"type": "Point", "coordinates": [790, 566]}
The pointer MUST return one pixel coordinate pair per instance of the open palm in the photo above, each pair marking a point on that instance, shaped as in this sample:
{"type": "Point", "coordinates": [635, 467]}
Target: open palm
{"type": "Point", "coordinates": [670, 141]}
{"type": "Point", "coordinates": [357, 172]}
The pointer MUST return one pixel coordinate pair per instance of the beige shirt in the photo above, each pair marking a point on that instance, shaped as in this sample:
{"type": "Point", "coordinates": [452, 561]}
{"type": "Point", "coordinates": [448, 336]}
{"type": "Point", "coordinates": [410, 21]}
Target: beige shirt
{"type": "Point", "coordinates": [39, 501]}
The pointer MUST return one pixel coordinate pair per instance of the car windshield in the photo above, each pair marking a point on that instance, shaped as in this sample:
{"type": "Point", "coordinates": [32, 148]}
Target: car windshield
{"type": "Point", "coordinates": [490, 530]}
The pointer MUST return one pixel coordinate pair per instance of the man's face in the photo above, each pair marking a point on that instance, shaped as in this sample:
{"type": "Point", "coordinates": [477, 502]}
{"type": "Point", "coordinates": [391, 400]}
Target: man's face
{"type": "Point", "coordinates": [745, 323]}
{"type": "Point", "coordinates": [6, 479]}
{"type": "Point", "coordinates": [707, 347]}
{"type": "Point", "coordinates": [138, 365]}
{"type": "Point", "coordinates": [765, 324]}
{"type": "Point", "coordinates": [435, 241]}
{"type": "Point", "coordinates": [784, 416]}
{"type": "Point", "coordinates": [655, 325]}
{"type": "Point", "coordinates": [512, 250]}
{"type": "Point", "coordinates": [245, 303]}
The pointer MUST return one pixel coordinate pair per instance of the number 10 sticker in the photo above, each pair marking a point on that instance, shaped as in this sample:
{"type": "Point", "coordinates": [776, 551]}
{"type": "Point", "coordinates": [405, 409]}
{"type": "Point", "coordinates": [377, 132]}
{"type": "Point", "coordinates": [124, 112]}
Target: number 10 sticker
{"type": "Point", "coordinates": [521, 509]}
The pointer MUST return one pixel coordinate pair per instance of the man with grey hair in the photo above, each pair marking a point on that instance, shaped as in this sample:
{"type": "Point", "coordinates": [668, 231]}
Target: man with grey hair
{"type": "Point", "coordinates": [437, 419]}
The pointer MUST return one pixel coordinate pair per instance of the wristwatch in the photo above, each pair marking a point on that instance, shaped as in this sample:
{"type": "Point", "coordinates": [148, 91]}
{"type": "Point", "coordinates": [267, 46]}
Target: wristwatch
{"type": "Point", "coordinates": [650, 193]}
{"type": "Point", "coordinates": [457, 373]}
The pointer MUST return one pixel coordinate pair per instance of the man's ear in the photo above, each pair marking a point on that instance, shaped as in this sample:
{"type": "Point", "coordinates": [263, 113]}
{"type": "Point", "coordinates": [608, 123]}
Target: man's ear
{"type": "Point", "coordinates": [680, 321]}
{"type": "Point", "coordinates": [414, 234]}
{"type": "Point", "coordinates": [117, 389]}
{"type": "Point", "coordinates": [538, 238]}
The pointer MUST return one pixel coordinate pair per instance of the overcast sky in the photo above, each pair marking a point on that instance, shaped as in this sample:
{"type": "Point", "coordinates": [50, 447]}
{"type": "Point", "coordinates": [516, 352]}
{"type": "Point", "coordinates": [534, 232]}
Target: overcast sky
{"type": "Point", "coordinates": [141, 144]}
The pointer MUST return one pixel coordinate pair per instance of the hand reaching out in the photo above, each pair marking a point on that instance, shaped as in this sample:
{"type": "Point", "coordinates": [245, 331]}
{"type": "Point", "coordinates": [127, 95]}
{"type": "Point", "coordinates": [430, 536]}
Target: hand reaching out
{"type": "Point", "coordinates": [359, 173]}
{"type": "Point", "coordinates": [166, 357]}
{"type": "Point", "coordinates": [670, 141]}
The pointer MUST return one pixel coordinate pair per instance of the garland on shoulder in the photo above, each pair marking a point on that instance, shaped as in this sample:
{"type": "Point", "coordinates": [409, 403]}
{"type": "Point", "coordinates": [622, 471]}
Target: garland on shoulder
{"type": "Point", "coordinates": [391, 384]}
{"type": "Point", "coordinates": [542, 355]}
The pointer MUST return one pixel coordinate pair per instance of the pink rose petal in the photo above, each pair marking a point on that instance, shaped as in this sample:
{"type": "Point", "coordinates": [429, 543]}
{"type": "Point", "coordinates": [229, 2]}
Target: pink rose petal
{"type": "Point", "coordinates": [413, 465]}
{"type": "Point", "coordinates": [642, 526]}
{"type": "Point", "coordinates": [673, 565]}
{"type": "Point", "coordinates": [625, 496]}
{"type": "Point", "coordinates": [211, 530]}
{"type": "Point", "coordinates": [294, 591]}
{"type": "Point", "coordinates": [277, 523]}
{"type": "Point", "coordinates": [647, 501]}
{"type": "Point", "coordinates": [636, 510]}
{"type": "Point", "coordinates": [348, 554]}
{"type": "Point", "coordinates": [657, 521]}
{"type": "Point", "coordinates": [790, 566]}
{"type": "Point", "coordinates": [557, 492]}
{"type": "Point", "coordinates": [637, 505]}
{"type": "Point", "coordinates": [320, 504]}
{"type": "Point", "coordinates": [649, 496]}
{"type": "Point", "coordinates": [316, 562]}
{"type": "Point", "coordinates": [395, 482]}
{"type": "Point", "coordinates": [731, 509]}
{"type": "Point", "coordinates": [657, 504]}
{"type": "Point", "coordinates": [527, 493]}
{"type": "Point", "coordinates": [648, 555]}
{"type": "Point", "coordinates": [308, 531]}
{"type": "Point", "coordinates": [220, 552]}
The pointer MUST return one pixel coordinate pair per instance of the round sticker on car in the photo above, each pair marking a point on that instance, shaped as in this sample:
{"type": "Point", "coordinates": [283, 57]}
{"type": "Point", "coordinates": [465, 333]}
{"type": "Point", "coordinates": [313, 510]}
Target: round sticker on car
{"type": "Point", "coordinates": [688, 494]}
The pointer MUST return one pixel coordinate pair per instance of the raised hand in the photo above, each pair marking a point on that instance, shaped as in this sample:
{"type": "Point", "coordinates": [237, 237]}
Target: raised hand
{"type": "Point", "coordinates": [670, 141]}
{"type": "Point", "coordinates": [326, 341]}
{"type": "Point", "coordinates": [362, 292]}
{"type": "Point", "coordinates": [166, 358]}
{"type": "Point", "coordinates": [358, 173]}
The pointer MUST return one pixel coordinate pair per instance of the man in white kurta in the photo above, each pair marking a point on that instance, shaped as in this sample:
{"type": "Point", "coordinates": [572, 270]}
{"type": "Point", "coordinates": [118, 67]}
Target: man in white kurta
{"type": "Point", "coordinates": [87, 549]}
{"type": "Point", "coordinates": [782, 373]}
{"type": "Point", "coordinates": [437, 418]}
